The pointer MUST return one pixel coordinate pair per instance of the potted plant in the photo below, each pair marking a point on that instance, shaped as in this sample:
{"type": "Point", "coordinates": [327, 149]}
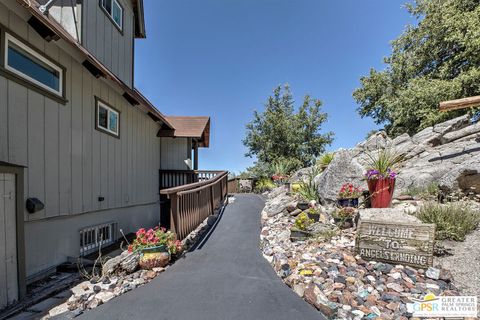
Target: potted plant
{"type": "Point", "coordinates": [348, 195]}
{"type": "Point", "coordinates": [313, 214]}
{"type": "Point", "coordinates": [282, 168]}
{"type": "Point", "coordinates": [303, 204]}
{"type": "Point", "coordinates": [299, 230]}
{"type": "Point", "coordinates": [279, 179]}
{"type": "Point", "coordinates": [344, 217]}
{"type": "Point", "coordinates": [381, 177]}
{"type": "Point", "coordinates": [155, 246]}
{"type": "Point", "coordinates": [307, 191]}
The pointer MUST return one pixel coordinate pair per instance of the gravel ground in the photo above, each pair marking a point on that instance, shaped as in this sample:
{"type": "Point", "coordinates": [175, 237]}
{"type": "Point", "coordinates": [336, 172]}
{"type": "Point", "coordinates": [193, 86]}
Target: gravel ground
{"type": "Point", "coordinates": [464, 264]}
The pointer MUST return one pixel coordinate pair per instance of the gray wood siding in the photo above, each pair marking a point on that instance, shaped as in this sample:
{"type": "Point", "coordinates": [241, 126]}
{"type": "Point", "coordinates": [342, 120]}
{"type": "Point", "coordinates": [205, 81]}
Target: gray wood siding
{"type": "Point", "coordinates": [102, 38]}
{"type": "Point", "coordinates": [174, 152]}
{"type": "Point", "coordinates": [68, 17]}
{"type": "Point", "coordinates": [70, 163]}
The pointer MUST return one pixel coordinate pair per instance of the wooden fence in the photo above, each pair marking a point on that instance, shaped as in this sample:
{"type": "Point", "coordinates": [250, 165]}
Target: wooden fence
{"type": "Point", "coordinates": [192, 203]}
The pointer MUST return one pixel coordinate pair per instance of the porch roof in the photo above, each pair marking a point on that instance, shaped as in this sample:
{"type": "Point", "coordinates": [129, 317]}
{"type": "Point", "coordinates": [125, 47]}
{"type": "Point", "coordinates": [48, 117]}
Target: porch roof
{"type": "Point", "coordinates": [196, 127]}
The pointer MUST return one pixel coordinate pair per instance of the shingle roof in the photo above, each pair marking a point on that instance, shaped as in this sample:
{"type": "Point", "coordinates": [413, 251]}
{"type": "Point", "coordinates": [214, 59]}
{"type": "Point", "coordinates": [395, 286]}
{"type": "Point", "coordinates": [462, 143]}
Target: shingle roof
{"type": "Point", "coordinates": [197, 127]}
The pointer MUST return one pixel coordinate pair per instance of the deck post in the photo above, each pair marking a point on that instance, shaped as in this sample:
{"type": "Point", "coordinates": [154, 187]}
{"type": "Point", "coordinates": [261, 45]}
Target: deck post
{"type": "Point", "coordinates": [174, 213]}
{"type": "Point", "coordinates": [195, 155]}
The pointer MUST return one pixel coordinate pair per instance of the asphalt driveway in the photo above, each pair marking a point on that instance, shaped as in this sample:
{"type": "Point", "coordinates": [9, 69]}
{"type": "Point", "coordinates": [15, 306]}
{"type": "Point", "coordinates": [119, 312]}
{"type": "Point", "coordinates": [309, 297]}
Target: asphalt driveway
{"type": "Point", "coordinates": [225, 278]}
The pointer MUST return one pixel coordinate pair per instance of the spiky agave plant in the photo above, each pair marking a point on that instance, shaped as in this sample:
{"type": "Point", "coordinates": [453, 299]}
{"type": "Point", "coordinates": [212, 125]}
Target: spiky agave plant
{"type": "Point", "coordinates": [382, 163]}
{"type": "Point", "coordinates": [284, 166]}
{"type": "Point", "coordinates": [325, 159]}
{"type": "Point", "coordinates": [308, 189]}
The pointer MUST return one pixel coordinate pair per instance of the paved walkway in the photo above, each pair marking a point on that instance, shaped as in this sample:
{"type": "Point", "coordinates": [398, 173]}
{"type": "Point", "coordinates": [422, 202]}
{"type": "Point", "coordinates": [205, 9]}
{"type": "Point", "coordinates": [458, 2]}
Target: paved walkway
{"type": "Point", "coordinates": [227, 278]}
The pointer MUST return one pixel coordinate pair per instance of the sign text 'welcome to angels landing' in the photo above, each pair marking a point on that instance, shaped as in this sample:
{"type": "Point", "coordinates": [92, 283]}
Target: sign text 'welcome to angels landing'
{"type": "Point", "coordinates": [409, 244]}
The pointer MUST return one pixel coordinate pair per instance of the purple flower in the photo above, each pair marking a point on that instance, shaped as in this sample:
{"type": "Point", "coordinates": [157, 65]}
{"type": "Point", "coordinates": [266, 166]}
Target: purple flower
{"type": "Point", "coordinates": [391, 174]}
{"type": "Point", "coordinates": [372, 173]}
{"type": "Point", "coordinates": [376, 174]}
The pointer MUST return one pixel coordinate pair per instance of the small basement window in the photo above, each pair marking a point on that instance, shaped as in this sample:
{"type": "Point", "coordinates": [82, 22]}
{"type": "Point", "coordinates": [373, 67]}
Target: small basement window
{"type": "Point", "coordinates": [114, 10]}
{"type": "Point", "coordinates": [107, 119]}
{"type": "Point", "coordinates": [32, 66]}
{"type": "Point", "coordinates": [92, 238]}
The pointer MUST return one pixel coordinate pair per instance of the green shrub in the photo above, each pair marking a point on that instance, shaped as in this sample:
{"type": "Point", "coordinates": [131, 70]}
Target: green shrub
{"type": "Point", "coordinates": [302, 221]}
{"type": "Point", "coordinates": [344, 213]}
{"type": "Point", "coordinates": [454, 221]}
{"type": "Point", "coordinates": [264, 184]}
{"type": "Point", "coordinates": [325, 159]}
{"type": "Point", "coordinates": [308, 189]}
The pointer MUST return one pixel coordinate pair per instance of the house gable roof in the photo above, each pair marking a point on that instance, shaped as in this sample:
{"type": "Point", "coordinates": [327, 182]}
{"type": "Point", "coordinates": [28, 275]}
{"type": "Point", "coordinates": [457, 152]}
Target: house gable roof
{"type": "Point", "coordinates": [196, 127]}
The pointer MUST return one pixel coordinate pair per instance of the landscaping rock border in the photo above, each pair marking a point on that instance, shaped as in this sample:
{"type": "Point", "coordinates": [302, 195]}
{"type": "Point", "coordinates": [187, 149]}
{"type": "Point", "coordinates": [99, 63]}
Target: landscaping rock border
{"type": "Point", "coordinates": [340, 284]}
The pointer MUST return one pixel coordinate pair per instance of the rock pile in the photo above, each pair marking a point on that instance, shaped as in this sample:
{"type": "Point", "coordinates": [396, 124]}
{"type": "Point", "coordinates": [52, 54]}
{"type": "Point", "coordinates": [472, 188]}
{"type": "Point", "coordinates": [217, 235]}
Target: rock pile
{"type": "Point", "coordinates": [91, 294]}
{"type": "Point", "coordinates": [329, 275]}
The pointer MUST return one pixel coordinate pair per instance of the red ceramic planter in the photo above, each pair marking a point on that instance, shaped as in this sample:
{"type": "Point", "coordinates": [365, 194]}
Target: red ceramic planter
{"type": "Point", "coordinates": [381, 192]}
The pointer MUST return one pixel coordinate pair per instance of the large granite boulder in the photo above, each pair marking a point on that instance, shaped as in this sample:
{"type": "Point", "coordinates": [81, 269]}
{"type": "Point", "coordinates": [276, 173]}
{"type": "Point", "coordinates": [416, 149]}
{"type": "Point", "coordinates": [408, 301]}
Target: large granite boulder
{"type": "Point", "coordinates": [447, 154]}
{"type": "Point", "coordinates": [277, 205]}
{"type": "Point", "coordinates": [301, 175]}
{"type": "Point", "coordinates": [464, 177]}
{"type": "Point", "coordinates": [387, 215]}
{"type": "Point", "coordinates": [342, 169]}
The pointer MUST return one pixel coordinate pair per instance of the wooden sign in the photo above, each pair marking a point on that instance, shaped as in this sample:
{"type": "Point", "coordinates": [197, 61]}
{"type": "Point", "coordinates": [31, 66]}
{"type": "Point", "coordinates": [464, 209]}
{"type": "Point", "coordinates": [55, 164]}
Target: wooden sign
{"type": "Point", "coordinates": [408, 244]}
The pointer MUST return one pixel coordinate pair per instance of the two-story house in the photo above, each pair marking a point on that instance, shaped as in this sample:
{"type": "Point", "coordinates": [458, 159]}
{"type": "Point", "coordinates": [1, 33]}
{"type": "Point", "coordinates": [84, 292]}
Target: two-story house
{"type": "Point", "coordinates": [80, 147]}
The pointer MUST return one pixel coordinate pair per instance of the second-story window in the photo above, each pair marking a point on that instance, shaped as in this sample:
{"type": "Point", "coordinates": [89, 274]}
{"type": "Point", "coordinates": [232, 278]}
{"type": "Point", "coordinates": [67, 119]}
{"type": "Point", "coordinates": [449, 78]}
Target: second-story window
{"type": "Point", "coordinates": [114, 10]}
{"type": "Point", "coordinates": [32, 66]}
{"type": "Point", "coordinates": [107, 119]}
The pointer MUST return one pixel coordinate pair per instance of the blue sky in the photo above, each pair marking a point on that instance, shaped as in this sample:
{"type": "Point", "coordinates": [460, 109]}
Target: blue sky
{"type": "Point", "coordinates": [223, 58]}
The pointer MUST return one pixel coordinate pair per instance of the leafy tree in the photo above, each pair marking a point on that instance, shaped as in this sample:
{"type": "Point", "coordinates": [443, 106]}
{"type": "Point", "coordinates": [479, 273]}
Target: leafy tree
{"type": "Point", "coordinates": [437, 59]}
{"type": "Point", "coordinates": [279, 132]}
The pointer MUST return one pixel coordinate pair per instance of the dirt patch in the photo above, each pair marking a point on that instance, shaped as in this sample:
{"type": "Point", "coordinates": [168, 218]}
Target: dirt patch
{"type": "Point", "coordinates": [464, 264]}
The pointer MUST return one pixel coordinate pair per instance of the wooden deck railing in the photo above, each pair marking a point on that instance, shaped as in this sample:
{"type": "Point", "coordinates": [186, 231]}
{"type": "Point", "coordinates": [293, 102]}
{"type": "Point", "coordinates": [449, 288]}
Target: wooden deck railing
{"type": "Point", "coordinates": [175, 178]}
{"type": "Point", "coordinates": [192, 203]}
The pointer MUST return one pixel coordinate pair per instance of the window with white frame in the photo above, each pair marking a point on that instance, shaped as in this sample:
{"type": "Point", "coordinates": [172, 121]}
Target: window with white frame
{"type": "Point", "coordinates": [30, 65]}
{"type": "Point", "coordinates": [114, 10]}
{"type": "Point", "coordinates": [107, 119]}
